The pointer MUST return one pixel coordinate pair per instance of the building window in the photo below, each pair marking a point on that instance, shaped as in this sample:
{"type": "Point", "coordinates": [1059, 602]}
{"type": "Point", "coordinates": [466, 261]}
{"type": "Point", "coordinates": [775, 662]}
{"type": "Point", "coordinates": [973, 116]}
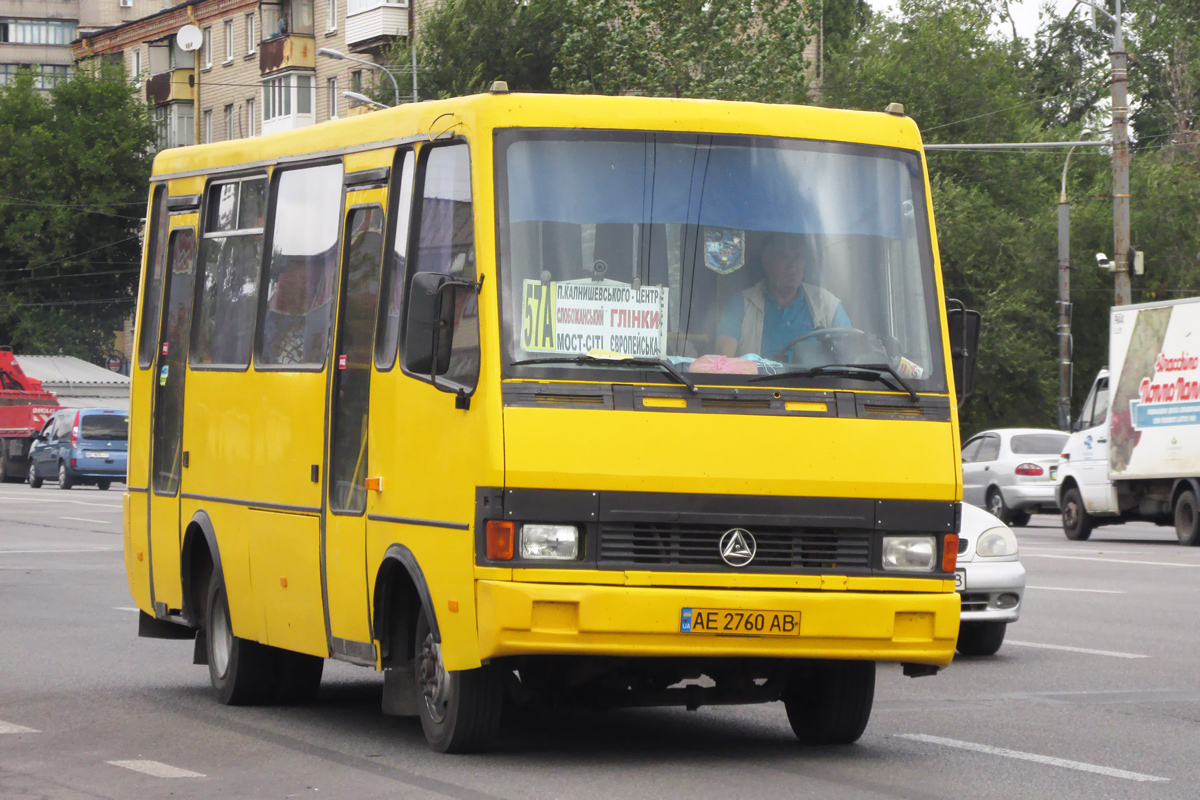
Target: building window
{"type": "Point", "coordinates": [229, 40]}
{"type": "Point", "coordinates": [356, 80]}
{"type": "Point", "coordinates": [52, 75]}
{"type": "Point", "coordinates": [208, 132]}
{"type": "Point", "coordinates": [37, 32]}
{"type": "Point", "coordinates": [251, 42]}
{"type": "Point", "coordinates": [333, 98]}
{"type": "Point", "coordinates": [331, 16]}
{"type": "Point", "coordinates": [288, 102]}
{"type": "Point", "coordinates": [250, 116]}
{"type": "Point", "coordinates": [229, 122]}
{"type": "Point", "coordinates": [208, 46]}
{"type": "Point", "coordinates": [175, 125]}
{"type": "Point", "coordinates": [8, 73]}
{"type": "Point", "coordinates": [137, 65]}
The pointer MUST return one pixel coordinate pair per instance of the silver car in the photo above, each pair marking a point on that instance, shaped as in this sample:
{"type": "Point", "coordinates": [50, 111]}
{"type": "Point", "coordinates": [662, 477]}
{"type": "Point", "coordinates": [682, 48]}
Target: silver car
{"type": "Point", "coordinates": [990, 581]}
{"type": "Point", "coordinates": [1011, 472]}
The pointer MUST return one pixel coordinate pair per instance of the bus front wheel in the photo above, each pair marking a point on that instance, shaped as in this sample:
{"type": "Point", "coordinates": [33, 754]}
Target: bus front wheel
{"type": "Point", "coordinates": [460, 710]}
{"type": "Point", "coordinates": [829, 702]}
{"type": "Point", "coordinates": [242, 672]}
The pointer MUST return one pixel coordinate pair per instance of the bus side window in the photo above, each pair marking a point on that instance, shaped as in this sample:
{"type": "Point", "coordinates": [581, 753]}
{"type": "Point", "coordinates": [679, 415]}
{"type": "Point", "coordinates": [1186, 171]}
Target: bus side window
{"type": "Point", "coordinates": [152, 290]}
{"type": "Point", "coordinates": [446, 244]}
{"type": "Point", "coordinates": [388, 338]}
{"type": "Point", "coordinates": [230, 266]}
{"type": "Point", "coordinates": [297, 317]}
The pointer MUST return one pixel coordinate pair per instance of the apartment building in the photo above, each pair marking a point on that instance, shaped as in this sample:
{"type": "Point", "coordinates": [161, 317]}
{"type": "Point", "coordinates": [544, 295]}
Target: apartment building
{"type": "Point", "coordinates": [257, 70]}
{"type": "Point", "coordinates": [37, 34]}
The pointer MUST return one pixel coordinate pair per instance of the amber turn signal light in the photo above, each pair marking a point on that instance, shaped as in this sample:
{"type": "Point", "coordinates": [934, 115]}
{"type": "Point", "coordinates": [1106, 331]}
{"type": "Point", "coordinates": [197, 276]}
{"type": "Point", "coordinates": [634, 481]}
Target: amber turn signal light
{"type": "Point", "coordinates": [950, 552]}
{"type": "Point", "coordinates": [500, 538]}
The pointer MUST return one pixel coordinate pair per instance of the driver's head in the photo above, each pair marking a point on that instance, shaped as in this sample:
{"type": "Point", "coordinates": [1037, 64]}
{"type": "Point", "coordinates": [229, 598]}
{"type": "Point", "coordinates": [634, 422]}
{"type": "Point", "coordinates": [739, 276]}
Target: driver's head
{"type": "Point", "coordinates": [784, 262]}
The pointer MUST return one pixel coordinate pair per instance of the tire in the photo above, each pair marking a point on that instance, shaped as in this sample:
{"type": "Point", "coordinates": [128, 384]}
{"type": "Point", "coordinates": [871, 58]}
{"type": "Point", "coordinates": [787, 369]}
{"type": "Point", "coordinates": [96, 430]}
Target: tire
{"type": "Point", "coordinates": [103, 484]}
{"type": "Point", "coordinates": [1019, 519]}
{"type": "Point", "coordinates": [242, 672]}
{"type": "Point", "coordinates": [997, 507]}
{"type": "Point", "coordinates": [981, 638]}
{"type": "Point", "coordinates": [64, 477]}
{"type": "Point", "coordinates": [34, 481]}
{"type": "Point", "coordinates": [5, 475]}
{"type": "Point", "coordinates": [1187, 519]}
{"type": "Point", "coordinates": [297, 676]}
{"type": "Point", "coordinates": [1077, 522]}
{"type": "Point", "coordinates": [830, 702]}
{"type": "Point", "coordinates": [459, 710]}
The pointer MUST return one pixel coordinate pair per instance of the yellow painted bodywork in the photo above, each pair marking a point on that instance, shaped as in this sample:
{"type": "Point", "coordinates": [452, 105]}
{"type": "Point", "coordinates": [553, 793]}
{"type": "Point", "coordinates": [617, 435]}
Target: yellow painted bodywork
{"type": "Point", "coordinates": [298, 577]}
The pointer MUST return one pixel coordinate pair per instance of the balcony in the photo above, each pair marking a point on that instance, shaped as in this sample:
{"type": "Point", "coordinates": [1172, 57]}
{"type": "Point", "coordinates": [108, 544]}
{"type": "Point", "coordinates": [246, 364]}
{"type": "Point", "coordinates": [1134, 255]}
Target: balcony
{"type": "Point", "coordinates": [287, 52]}
{"type": "Point", "coordinates": [368, 30]}
{"type": "Point", "coordinates": [167, 87]}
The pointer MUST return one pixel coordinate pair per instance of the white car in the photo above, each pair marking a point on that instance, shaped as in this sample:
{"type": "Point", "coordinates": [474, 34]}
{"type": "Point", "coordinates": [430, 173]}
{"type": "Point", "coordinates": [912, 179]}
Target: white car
{"type": "Point", "coordinates": [990, 581]}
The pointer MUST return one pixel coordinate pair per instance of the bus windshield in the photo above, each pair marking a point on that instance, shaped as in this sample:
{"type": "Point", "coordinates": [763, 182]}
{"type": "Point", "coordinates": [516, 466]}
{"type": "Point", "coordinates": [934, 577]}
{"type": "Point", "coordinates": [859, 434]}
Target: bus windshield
{"type": "Point", "coordinates": [731, 256]}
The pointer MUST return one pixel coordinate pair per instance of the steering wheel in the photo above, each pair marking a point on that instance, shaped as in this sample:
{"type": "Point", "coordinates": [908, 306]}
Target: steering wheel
{"type": "Point", "coordinates": [828, 333]}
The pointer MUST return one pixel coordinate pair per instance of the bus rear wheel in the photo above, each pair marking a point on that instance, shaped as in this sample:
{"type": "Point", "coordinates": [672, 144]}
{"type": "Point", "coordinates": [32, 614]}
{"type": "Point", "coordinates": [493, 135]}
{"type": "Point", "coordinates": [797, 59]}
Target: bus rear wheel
{"type": "Point", "coordinates": [242, 672]}
{"type": "Point", "coordinates": [460, 710]}
{"type": "Point", "coordinates": [829, 702]}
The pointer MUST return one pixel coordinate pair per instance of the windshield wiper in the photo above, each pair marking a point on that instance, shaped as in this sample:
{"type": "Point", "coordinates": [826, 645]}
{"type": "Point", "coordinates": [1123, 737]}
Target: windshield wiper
{"type": "Point", "coordinates": [884, 373]}
{"type": "Point", "coordinates": [659, 363]}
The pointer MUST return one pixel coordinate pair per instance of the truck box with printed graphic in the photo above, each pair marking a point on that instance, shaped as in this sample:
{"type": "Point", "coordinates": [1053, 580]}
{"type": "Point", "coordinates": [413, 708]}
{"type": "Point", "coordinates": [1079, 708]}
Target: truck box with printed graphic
{"type": "Point", "coordinates": [1135, 449]}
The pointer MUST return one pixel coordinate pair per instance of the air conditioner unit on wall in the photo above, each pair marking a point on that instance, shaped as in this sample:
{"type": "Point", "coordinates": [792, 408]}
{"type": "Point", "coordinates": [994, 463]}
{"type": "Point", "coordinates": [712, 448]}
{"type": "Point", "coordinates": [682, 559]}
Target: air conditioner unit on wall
{"type": "Point", "coordinates": [126, 3]}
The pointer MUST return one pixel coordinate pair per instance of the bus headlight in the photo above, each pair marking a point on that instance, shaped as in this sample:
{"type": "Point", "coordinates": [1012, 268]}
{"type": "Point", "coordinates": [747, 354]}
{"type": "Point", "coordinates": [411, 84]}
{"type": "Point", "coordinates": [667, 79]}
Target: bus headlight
{"type": "Point", "coordinates": [550, 542]}
{"type": "Point", "coordinates": [909, 553]}
{"type": "Point", "coordinates": [996, 542]}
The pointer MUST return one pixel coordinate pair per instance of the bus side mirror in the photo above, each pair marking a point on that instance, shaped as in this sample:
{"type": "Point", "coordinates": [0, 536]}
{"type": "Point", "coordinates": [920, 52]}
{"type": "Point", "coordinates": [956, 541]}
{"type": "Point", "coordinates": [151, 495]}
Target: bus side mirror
{"type": "Point", "coordinates": [429, 327]}
{"type": "Point", "coordinates": [963, 327]}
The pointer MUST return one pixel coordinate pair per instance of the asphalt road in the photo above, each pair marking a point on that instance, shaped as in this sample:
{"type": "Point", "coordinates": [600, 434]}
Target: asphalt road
{"type": "Point", "coordinates": [1095, 694]}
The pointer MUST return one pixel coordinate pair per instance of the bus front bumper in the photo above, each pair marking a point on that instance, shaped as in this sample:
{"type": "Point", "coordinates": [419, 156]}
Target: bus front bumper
{"type": "Point", "coordinates": [572, 619]}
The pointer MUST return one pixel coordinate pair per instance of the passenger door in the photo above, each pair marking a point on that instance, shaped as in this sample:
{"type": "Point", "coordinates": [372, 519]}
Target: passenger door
{"type": "Point", "coordinates": [166, 434]}
{"type": "Point", "coordinates": [42, 453]}
{"type": "Point", "coordinates": [347, 456]}
{"type": "Point", "coordinates": [1093, 469]}
{"type": "Point", "coordinates": [985, 463]}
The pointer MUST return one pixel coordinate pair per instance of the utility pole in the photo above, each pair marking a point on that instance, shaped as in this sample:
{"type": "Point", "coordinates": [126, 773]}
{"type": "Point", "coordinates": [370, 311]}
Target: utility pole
{"type": "Point", "coordinates": [1120, 158]}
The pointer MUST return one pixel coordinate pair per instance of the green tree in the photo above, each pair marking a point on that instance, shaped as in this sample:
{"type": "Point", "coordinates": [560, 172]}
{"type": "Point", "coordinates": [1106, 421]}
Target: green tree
{"type": "Point", "coordinates": [73, 177]}
{"type": "Point", "coordinates": [720, 49]}
{"type": "Point", "coordinates": [464, 45]}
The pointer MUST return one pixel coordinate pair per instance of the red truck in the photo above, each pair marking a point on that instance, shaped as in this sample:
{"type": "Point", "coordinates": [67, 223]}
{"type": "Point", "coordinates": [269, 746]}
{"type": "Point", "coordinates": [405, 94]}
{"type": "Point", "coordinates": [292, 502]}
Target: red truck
{"type": "Point", "coordinates": [24, 408]}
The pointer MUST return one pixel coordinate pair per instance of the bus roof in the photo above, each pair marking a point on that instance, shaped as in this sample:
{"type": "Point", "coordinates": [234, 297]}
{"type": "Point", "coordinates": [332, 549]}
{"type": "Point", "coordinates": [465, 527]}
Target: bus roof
{"type": "Point", "coordinates": [483, 112]}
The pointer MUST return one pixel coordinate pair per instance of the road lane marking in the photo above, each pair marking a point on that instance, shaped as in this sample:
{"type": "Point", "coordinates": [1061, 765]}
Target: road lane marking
{"type": "Point", "coordinates": [1036, 758]}
{"type": "Point", "coordinates": [92, 550]}
{"type": "Point", "coordinates": [1086, 650]}
{"type": "Point", "coordinates": [156, 768]}
{"type": "Point", "coordinates": [9, 727]}
{"type": "Point", "coordinates": [126, 608]}
{"type": "Point", "coordinates": [1110, 560]}
{"type": "Point", "coordinates": [1066, 589]}
{"type": "Point", "coordinates": [96, 521]}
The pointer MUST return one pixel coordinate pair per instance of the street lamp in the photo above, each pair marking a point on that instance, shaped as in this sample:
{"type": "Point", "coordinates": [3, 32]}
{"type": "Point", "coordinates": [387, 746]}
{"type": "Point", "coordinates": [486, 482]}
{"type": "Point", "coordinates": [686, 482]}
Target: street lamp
{"type": "Point", "coordinates": [362, 98]}
{"type": "Point", "coordinates": [1120, 156]}
{"type": "Point", "coordinates": [1064, 297]}
{"type": "Point", "coordinates": [338, 55]}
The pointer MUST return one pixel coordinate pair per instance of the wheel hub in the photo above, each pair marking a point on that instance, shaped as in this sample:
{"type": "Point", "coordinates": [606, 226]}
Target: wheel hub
{"type": "Point", "coordinates": [432, 678]}
{"type": "Point", "coordinates": [222, 639]}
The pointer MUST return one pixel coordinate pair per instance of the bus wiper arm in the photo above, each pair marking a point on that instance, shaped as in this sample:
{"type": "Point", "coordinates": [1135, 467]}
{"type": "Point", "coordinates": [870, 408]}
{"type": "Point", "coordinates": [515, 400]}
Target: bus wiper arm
{"type": "Point", "coordinates": [884, 373]}
{"type": "Point", "coordinates": [659, 363]}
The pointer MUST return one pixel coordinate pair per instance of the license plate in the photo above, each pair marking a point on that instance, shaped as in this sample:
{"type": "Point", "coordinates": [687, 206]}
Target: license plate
{"type": "Point", "coordinates": [739, 622]}
{"type": "Point", "coordinates": [95, 455]}
{"type": "Point", "coordinates": [960, 579]}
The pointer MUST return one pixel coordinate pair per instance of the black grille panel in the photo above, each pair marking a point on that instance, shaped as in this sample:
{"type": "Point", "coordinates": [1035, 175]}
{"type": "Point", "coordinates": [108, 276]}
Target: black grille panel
{"type": "Point", "coordinates": [974, 602]}
{"type": "Point", "coordinates": [697, 546]}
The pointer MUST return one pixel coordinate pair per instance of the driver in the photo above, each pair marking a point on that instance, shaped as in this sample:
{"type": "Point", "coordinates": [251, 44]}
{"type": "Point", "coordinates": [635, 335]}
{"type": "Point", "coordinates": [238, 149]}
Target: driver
{"type": "Point", "coordinates": [772, 313]}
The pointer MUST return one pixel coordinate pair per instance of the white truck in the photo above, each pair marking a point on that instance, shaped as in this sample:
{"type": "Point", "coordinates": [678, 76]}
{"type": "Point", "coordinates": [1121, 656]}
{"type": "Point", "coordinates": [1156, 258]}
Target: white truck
{"type": "Point", "coordinates": [1135, 449]}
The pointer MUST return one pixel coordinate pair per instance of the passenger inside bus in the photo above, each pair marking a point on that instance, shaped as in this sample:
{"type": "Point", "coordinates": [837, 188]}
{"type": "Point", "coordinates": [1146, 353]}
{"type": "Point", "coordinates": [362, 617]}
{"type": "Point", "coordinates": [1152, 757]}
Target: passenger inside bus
{"type": "Point", "coordinates": [768, 317]}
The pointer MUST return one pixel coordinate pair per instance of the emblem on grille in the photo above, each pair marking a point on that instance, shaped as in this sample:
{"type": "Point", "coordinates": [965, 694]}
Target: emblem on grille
{"type": "Point", "coordinates": [737, 547]}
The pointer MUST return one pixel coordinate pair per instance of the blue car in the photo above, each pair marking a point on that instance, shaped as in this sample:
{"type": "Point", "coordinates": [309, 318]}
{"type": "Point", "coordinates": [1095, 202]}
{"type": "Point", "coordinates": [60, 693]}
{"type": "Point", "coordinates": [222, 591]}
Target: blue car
{"type": "Point", "coordinates": [81, 446]}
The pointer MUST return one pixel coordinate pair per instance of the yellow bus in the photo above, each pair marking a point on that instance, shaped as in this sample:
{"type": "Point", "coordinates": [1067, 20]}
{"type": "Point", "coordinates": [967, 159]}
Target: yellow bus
{"type": "Point", "coordinates": [586, 398]}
